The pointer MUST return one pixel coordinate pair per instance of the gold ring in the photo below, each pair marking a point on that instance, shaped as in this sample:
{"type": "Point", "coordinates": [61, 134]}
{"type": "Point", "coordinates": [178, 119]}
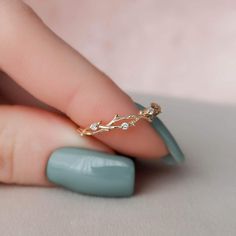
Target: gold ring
{"type": "Point", "coordinates": [125, 122]}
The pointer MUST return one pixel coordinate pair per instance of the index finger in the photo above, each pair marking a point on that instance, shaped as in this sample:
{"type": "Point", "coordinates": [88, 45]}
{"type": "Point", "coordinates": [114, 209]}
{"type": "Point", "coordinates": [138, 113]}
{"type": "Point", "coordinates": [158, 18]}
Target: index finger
{"type": "Point", "coordinates": [58, 75]}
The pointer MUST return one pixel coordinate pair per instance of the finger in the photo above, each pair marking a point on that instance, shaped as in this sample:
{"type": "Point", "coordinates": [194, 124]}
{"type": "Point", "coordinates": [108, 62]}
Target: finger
{"type": "Point", "coordinates": [41, 148]}
{"type": "Point", "coordinates": [58, 75]}
{"type": "Point", "coordinates": [27, 138]}
{"type": "Point", "coordinates": [12, 93]}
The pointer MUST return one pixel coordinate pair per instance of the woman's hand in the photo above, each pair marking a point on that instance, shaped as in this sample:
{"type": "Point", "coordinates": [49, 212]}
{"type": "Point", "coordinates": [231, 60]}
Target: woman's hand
{"type": "Point", "coordinates": [59, 79]}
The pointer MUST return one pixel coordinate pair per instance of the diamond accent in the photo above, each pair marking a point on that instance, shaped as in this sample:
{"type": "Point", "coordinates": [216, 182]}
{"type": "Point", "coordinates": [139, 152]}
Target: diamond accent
{"type": "Point", "coordinates": [94, 126]}
{"type": "Point", "coordinates": [150, 110]}
{"type": "Point", "coordinates": [124, 125]}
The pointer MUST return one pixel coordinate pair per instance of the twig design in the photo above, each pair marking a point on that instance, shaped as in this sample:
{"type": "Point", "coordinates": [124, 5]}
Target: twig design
{"type": "Point", "coordinates": [128, 121]}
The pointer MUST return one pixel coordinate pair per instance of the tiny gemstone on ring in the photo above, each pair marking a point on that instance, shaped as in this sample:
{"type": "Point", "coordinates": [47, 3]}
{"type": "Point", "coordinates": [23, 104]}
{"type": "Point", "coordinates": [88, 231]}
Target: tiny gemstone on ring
{"type": "Point", "coordinates": [150, 110]}
{"type": "Point", "coordinates": [125, 125]}
{"type": "Point", "coordinates": [94, 126]}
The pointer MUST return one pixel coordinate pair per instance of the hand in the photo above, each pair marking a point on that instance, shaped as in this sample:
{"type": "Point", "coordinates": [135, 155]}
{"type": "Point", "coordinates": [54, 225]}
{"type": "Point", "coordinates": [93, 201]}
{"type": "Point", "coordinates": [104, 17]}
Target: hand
{"type": "Point", "coordinates": [55, 88]}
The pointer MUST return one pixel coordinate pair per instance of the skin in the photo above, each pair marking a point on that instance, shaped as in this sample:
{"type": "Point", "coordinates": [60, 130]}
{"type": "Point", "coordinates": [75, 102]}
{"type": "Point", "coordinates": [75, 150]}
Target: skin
{"type": "Point", "coordinates": [47, 89]}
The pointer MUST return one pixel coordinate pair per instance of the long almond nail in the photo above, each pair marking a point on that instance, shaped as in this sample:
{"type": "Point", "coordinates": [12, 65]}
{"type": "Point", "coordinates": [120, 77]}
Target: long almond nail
{"type": "Point", "coordinates": [92, 172]}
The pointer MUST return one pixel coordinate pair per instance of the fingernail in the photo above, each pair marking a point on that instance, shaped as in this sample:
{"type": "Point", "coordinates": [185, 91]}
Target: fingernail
{"type": "Point", "coordinates": [175, 155]}
{"type": "Point", "coordinates": [91, 172]}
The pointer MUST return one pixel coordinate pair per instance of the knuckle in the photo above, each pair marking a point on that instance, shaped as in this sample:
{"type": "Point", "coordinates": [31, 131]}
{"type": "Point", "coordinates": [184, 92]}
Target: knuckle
{"type": "Point", "coordinates": [12, 6]}
{"type": "Point", "coordinates": [9, 7]}
{"type": "Point", "coordinates": [14, 16]}
{"type": "Point", "coordinates": [7, 153]}
{"type": "Point", "coordinates": [12, 13]}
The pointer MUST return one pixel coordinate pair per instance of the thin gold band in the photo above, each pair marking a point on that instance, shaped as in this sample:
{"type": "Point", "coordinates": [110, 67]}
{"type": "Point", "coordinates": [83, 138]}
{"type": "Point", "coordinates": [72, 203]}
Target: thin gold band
{"type": "Point", "coordinates": [148, 113]}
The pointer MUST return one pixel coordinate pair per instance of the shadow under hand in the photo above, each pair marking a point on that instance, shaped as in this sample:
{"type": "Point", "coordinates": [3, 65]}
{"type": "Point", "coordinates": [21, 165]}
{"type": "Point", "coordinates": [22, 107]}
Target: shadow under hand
{"type": "Point", "coordinates": [205, 133]}
{"type": "Point", "coordinates": [151, 176]}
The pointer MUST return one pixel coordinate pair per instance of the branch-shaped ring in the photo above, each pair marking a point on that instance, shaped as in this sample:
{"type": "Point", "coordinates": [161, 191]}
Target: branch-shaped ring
{"type": "Point", "coordinates": [148, 113]}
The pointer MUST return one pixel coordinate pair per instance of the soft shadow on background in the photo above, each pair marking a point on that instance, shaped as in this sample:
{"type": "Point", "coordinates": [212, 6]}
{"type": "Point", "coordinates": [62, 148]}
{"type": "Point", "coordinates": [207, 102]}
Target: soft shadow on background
{"type": "Point", "coordinates": [197, 198]}
{"type": "Point", "coordinates": [205, 131]}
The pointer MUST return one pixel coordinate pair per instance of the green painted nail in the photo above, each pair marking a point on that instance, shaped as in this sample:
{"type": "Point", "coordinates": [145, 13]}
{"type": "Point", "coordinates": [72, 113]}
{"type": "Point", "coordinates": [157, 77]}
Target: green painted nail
{"type": "Point", "coordinates": [175, 155]}
{"type": "Point", "coordinates": [91, 172]}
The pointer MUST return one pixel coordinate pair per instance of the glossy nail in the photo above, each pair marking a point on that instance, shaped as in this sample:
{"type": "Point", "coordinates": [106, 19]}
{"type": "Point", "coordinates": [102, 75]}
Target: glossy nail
{"type": "Point", "coordinates": [175, 155]}
{"type": "Point", "coordinates": [91, 172]}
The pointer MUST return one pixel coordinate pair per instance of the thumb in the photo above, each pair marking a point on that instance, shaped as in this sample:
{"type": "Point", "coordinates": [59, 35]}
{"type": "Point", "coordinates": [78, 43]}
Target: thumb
{"type": "Point", "coordinates": [32, 153]}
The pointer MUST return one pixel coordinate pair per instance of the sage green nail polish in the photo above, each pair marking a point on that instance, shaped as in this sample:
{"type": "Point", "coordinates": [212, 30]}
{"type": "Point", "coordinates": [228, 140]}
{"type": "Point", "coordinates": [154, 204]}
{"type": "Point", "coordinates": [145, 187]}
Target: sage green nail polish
{"type": "Point", "coordinates": [175, 155]}
{"type": "Point", "coordinates": [91, 172]}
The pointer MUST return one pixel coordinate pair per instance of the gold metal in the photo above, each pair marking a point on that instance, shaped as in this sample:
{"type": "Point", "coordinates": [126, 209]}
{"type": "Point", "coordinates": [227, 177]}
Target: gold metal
{"type": "Point", "coordinates": [148, 113]}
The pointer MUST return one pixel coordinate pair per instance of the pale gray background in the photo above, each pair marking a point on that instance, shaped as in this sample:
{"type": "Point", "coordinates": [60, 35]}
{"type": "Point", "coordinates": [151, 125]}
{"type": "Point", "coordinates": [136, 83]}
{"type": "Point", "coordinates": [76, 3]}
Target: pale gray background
{"type": "Point", "coordinates": [195, 199]}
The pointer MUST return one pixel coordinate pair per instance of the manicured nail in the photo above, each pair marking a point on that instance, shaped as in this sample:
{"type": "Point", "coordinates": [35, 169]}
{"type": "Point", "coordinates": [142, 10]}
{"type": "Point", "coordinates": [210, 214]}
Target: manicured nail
{"type": "Point", "coordinates": [91, 172]}
{"type": "Point", "coordinates": [175, 155]}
